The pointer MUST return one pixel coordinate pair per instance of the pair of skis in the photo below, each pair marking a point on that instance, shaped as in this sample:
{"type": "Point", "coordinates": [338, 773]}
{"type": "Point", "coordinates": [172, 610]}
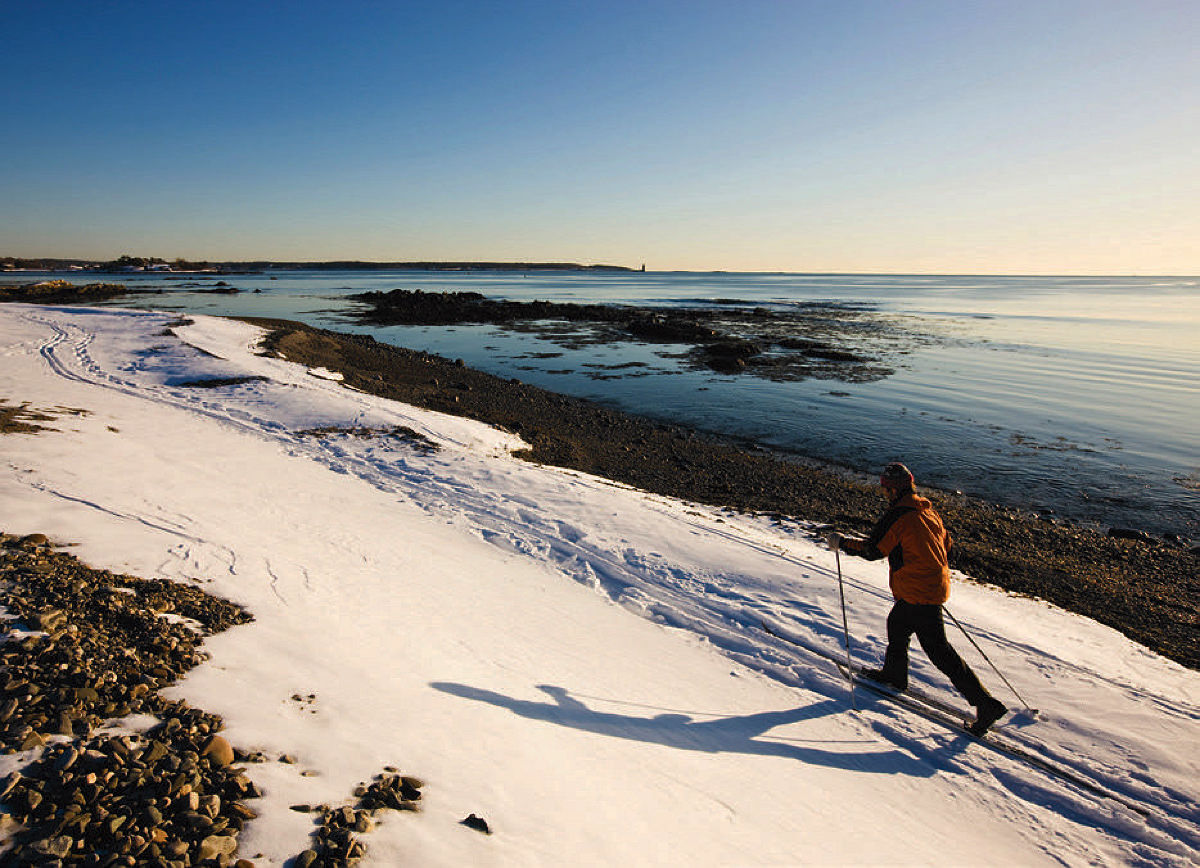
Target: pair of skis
{"type": "Point", "coordinates": [946, 714]}
{"type": "Point", "coordinates": [919, 701]}
{"type": "Point", "coordinates": [854, 674]}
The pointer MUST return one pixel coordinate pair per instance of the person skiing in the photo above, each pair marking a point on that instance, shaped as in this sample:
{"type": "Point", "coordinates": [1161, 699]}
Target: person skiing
{"type": "Point", "coordinates": [911, 536]}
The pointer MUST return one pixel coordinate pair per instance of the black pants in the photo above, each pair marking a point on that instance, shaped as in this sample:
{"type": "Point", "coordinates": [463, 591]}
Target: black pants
{"type": "Point", "coordinates": [926, 621]}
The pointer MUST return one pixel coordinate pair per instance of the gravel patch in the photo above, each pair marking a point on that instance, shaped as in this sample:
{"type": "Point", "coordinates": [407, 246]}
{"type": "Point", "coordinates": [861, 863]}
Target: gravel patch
{"type": "Point", "coordinates": [116, 774]}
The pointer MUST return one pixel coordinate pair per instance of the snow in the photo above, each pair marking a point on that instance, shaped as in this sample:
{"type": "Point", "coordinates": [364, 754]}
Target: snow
{"type": "Point", "coordinates": [578, 662]}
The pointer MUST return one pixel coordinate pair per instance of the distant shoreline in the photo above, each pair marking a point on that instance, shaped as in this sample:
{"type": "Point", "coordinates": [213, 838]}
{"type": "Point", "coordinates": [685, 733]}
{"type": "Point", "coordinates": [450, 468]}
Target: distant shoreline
{"type": "Point", "coordinates": [83, 266]}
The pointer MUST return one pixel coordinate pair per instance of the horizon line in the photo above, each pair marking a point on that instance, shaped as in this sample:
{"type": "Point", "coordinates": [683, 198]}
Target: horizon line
{"type": "Point", "coordinates": [548, 265]}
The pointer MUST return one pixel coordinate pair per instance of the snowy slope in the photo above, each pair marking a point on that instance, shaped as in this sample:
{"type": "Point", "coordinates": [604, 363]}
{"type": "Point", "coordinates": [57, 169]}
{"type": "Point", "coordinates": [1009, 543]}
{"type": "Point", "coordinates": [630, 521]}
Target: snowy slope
{"type": "Point", "coordinates": [578, 662]}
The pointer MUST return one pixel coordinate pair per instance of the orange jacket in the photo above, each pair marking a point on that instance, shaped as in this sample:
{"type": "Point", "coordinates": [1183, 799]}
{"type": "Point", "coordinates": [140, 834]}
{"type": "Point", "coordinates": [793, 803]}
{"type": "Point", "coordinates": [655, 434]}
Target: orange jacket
{"type": "Point", "coordinates": [917, 546]}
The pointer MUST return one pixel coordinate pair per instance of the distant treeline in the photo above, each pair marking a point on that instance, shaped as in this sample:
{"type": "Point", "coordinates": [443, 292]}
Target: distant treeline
{"type": "Point", "coordinates": [119, 264]}
{"type": "Point", "coordinates": [438, 266]}
{"type": "Point", "coordinates": [125, 263]}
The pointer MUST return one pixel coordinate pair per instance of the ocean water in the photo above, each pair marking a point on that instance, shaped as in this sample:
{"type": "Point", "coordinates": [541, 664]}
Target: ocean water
{"type": "Point", "coordinates": [1074, 397]}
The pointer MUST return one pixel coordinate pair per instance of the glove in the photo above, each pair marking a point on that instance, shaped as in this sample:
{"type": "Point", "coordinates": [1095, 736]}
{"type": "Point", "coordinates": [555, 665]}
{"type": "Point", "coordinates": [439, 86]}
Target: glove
{"type": "Point", "coordinates": [834, 541]}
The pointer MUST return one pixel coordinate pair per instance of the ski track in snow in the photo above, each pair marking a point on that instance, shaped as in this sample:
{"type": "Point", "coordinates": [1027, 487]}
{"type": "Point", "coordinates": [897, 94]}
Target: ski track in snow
{"type": "Point", "coordinates": [657, 579]}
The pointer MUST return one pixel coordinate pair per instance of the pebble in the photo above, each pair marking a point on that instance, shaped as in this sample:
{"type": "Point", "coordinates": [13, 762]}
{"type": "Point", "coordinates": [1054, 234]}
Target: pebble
{"type": "Point", "coordinates": [478, 824]}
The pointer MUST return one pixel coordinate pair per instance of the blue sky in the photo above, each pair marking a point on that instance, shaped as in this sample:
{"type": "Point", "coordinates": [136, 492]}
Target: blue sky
{"type": "Point", "coordinates": [1000, 137]}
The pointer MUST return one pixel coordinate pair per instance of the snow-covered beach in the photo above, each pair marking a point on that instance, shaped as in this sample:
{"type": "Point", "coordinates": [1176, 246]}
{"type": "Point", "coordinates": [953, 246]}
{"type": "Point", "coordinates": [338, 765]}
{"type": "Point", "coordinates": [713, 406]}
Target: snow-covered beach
{"type": "Point", "coordinates": [576, 661]}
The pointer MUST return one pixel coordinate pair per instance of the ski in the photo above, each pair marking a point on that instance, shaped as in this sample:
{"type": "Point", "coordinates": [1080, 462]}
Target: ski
{"type": "Point", "coordinates": [950, 717]}
{"type": "Point", "coordinates": [854, 674]}
{"type": "Point", "coordinates": [933, 709]}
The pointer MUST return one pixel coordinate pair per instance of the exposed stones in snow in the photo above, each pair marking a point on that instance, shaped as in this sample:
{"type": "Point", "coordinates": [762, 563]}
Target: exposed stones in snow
{"type": "Point", "coordinates": [479, 824]}
{"type": "Point", "coordinates": [219, 382]}
{"type": "Point", "coordinates": [23, 419]}
{"type": "Point", "coordinates": [335, 842]}
{"type": "Point", "coordinates": [82, 648]}
{"type": "Point", "coordinates": [415, 439]}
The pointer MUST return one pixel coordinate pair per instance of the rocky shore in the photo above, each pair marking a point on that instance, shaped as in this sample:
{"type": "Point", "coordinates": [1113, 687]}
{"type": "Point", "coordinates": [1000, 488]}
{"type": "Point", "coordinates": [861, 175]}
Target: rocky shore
{"type": "Point", "coordinates": [1147, 588]}
{"type": "Point", "coordinates": [65, 292]}
{"type": "Point", "coordinates": [62, 292]}
{"type": "Point", "coordinates": [117, 774]}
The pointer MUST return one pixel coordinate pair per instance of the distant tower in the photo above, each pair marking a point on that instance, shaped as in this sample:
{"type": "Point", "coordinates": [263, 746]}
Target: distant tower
{"type": "Point", "coordinates": [643, 266]}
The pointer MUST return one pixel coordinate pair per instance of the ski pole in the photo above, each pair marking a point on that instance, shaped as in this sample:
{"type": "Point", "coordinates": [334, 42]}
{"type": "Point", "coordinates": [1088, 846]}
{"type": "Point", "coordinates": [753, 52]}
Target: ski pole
{"type": "Point", "coordinates": [837, 554]}
{"type": "Point", "coordinates": [1031, 711]}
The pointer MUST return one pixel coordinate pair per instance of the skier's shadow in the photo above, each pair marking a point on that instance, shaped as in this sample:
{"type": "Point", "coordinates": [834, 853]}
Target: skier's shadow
{"type": "Point", "coordinates": [719, 735]}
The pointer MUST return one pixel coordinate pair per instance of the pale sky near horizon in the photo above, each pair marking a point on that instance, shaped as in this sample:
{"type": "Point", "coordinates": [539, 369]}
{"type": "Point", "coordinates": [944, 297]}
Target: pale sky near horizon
{"type": "Point", "coordinates": [1028, 136]}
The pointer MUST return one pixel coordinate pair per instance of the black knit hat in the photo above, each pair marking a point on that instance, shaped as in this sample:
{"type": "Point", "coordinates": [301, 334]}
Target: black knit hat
{"type": "Point", "coordinates": [896, 475]}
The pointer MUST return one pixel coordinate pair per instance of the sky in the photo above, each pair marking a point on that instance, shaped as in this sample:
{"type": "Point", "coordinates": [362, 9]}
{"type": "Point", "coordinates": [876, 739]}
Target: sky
{"type": "Point", "coordinates": [927, 136]}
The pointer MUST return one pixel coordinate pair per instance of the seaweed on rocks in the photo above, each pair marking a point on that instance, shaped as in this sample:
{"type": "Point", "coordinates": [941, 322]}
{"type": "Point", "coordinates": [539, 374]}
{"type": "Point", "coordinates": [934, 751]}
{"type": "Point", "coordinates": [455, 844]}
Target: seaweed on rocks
{"type": "Point", "coordinates": [725, 339]}
{"type": "Point", "coordinates": [63, 291]}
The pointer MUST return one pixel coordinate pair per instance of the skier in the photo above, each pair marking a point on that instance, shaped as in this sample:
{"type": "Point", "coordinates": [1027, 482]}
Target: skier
{"type": "Point", "coordinates": [911, 535]}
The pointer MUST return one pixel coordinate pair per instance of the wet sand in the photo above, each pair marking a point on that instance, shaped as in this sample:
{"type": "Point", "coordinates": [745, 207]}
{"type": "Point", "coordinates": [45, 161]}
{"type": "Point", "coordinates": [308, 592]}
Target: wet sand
{"type": "Point", "coordinates": [1149, 590]}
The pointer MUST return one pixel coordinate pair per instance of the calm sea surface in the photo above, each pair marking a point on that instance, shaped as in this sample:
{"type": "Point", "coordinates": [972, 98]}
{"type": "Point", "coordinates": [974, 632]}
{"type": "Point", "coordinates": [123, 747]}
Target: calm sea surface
{"type": "Point", "coordinates": [1077, 397]}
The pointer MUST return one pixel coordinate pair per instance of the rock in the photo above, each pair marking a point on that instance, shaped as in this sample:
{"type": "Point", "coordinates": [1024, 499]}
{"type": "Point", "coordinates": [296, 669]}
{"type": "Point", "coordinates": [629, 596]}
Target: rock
{"type": "Point", "coordinates": [154, 752]}
{"type": "Point", "coordinates": [48, 620]}
{"type": "Point", "coordinates": [219, 751]}
{"type": "Point", "coordinates": [66, 759]}
{"type": "Point", "coordinates": [195, 821]}
{"type": "Point", "coordinates": [305, 859]}
{"type": "Point", "coordinates": [59, 846]}
{"type": "Point", "coordinates": [1128, 533]}
{"type": "Point", "coordinates": [215, 846]}
{"type": "Point", "coordinates": [7, 785]}
{"type": "Point", "coordinates": [478, 824]}
{"type": "Point", "coordinates": [33, 541]}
